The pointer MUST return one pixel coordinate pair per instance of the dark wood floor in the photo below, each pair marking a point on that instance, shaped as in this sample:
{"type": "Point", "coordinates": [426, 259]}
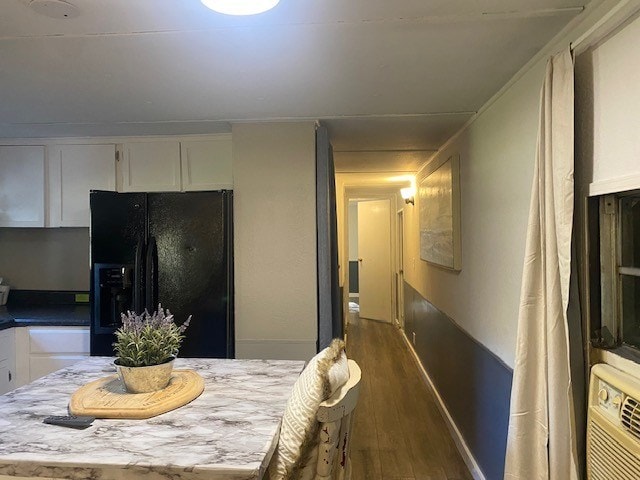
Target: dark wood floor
{"type": "Point", "coordinates": [399, 433]}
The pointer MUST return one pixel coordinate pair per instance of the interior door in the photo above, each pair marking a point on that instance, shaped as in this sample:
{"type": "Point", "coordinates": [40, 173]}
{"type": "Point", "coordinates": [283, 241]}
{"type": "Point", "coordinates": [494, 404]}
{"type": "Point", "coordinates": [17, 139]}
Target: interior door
{"type": "Point", "coordinates": [374, 258]}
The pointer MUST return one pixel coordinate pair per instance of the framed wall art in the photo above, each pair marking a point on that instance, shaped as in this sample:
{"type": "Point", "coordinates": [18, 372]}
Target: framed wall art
{"type": "Point", "coordinates": [439, 201]}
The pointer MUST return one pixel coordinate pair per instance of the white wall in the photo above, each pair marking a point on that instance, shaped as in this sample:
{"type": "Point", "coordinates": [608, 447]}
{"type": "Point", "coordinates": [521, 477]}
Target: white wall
{"type": "Point", "coordinates": [616, 105]}
{"type": "Point", "coordinates": [275, 240]}
{"type": "Point", "coordinates": [45, 258]}
{"type": "Point", "coordinates": [497, 154]}
{"type": "Point", "coordinates": [607, 138]}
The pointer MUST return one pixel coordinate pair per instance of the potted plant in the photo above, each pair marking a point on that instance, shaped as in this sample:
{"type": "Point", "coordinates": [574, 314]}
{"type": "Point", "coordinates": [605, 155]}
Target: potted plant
{"type": "Point", "coordinates": [146, 346]}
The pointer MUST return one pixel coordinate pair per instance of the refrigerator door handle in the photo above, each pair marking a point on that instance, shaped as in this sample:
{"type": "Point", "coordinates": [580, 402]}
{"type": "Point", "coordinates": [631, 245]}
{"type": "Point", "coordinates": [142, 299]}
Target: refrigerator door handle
{"type": "Point", "coordinates": [138, 278]}
{"type": "Point", "coordinates": [151, 280]}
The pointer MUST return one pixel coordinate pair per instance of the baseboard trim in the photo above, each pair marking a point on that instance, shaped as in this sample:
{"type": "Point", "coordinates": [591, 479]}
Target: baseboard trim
{"type": "Point", "coordinates": [458, 439]}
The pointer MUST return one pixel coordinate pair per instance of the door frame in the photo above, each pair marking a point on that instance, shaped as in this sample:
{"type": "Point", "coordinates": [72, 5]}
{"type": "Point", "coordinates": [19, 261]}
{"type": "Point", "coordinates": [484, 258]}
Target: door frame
{"type": "Point", "coordinates": [390, 312]}
{"type": "Point", "coordinates": [371, 193]}
{"type": "Point", "coordinates": [399, 271]}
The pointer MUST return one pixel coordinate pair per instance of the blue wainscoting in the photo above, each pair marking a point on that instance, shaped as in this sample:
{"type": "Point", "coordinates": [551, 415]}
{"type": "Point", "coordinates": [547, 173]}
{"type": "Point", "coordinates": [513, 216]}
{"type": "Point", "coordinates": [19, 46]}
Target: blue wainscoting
{"type": "Point", "coordinates": [354, 284]}
{"type": "Point", "coordinates": [474, 384]}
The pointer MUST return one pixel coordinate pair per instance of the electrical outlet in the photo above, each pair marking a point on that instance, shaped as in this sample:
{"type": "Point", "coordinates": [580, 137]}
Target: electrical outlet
{"type": "Point", "coordinates": [413, 335]}
{"type": "Point", "coordinates": [82, 298]}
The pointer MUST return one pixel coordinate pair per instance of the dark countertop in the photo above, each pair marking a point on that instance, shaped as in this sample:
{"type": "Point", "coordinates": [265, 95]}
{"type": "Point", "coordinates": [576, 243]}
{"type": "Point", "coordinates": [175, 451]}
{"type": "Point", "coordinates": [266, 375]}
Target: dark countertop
{"type": "Point", "coordinates": [44, 315]}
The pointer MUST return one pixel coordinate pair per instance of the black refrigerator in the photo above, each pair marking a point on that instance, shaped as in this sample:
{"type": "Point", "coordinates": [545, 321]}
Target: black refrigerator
{"type": "Point", "coordinates": [174, 249]}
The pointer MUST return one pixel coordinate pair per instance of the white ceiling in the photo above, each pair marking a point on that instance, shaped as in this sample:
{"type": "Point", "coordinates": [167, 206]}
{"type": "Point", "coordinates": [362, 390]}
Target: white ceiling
{"type": "Point", "coordinates": [390, 75]}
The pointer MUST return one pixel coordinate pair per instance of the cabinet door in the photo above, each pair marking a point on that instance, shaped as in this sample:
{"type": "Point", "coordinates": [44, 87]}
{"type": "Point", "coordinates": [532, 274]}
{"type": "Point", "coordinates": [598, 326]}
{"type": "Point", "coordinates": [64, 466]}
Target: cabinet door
{"type": "Point", "coordinates": [5, 380]}
{"type": "Point", "coordinates": [42, 365]}
{"type": "Point", "coordinates": [22, 186]}
{"type": "Point", "coordinates": [7, 361]}
{"type": "Point", "coordinates": [82, 168]}
{"type": "Point", "coordinates": [207, 165]}
{"type": "Point", "coordinates": [151, 167]}
{"type": "Point", "coordinates": [53, 348]}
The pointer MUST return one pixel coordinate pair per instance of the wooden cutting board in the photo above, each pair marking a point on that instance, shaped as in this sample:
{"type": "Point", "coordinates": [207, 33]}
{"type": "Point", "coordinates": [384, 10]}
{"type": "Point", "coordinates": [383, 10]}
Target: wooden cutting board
{"type": "Point", "coordinates": [107, 398]}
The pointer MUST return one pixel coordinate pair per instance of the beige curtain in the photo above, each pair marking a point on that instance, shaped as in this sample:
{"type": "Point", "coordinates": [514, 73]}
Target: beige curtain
{"type": "Point", "coordinates": [542, 442]}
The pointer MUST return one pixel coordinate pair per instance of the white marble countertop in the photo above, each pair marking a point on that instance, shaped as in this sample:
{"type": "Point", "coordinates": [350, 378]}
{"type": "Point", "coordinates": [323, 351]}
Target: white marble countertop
{"type": "Point", "coordinates": [229, 432]}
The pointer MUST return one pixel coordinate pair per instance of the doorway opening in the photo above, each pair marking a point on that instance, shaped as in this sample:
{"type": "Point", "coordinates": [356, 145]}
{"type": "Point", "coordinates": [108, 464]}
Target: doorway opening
{"type": "Point", "coordinates": [371, 247]}
{"type": "Point", "coordinates": [354, 283]}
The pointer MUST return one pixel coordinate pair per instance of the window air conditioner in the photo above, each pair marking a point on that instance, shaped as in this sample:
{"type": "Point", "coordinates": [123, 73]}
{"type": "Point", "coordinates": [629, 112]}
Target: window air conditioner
{"type": "Point", "coordinates": [613, 431]}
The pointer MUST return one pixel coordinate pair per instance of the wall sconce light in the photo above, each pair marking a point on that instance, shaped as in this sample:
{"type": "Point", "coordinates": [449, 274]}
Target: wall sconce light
{"type": "Point", "coordinates": [408, 194]}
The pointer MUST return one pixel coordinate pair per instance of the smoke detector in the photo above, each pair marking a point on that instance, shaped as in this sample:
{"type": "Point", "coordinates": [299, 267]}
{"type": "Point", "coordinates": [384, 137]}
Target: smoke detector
{"type": "Point", "coordinates": [55, 8]}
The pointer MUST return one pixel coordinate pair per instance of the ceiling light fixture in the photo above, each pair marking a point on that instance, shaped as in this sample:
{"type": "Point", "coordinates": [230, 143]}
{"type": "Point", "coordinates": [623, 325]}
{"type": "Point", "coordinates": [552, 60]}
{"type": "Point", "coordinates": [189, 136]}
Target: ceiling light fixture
{"type": "Point", "coordinates": [240, 7]}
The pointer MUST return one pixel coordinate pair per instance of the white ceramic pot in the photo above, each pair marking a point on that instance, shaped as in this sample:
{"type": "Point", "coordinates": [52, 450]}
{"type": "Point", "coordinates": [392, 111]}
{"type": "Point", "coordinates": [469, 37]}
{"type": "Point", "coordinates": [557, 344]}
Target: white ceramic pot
{"type": "Point", "coordinates": [145, 379]}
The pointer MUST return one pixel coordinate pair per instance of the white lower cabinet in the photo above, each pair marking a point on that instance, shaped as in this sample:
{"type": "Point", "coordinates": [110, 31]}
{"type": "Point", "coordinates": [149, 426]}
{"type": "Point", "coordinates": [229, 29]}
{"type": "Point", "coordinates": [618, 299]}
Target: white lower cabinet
{"type": "Point", "coordinates": [43, 350]}
{"type": "Point", "coordinates": [7, 360]}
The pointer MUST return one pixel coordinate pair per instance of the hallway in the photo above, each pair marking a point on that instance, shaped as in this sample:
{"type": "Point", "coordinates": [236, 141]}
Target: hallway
{"type": "Point", "coordinates": [399, 433]}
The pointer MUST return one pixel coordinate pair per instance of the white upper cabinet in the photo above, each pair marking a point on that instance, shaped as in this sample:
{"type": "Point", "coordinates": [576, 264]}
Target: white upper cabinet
{"type": "Point", "coordinates": [203, 163]}
{"type": "Point", "coordinates": [74, 171]}
{"type": "Point", "coordinates": [152, 166]}
{"type": "Point", "coordinates": [207, 164]}
{"type": "Point", "coordinates": [22, 186]}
